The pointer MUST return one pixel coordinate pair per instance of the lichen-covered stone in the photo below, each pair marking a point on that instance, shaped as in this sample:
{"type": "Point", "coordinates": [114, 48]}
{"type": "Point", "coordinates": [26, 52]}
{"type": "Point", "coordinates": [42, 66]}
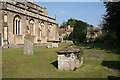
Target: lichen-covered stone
{"type": "Point", "coordinates": [28, 45]}
{"type": "Point", "coordinates": [68, 60]}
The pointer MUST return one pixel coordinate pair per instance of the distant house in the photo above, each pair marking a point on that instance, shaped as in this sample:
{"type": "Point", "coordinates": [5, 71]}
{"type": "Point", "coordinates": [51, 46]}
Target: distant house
{"type": "Point", "coordinates": [92, 32]}
{"type": "Point", "coordinates": [62, 33]}
{"type": "Point", "coordinates": [69, 31]}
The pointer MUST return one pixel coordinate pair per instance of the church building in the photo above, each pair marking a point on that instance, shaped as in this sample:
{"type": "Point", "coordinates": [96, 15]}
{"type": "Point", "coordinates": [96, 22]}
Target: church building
{"type": "Point", "coordinates": [20, 18]}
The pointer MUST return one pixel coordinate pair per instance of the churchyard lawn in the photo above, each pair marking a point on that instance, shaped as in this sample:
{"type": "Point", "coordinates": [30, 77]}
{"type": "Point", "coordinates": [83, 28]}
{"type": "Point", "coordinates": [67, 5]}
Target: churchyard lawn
{"type": "Point", "coordinates": [43, 64]}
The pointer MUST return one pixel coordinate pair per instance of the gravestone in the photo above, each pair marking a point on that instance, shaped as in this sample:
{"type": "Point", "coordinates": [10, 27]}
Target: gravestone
{"type": "Point", "coordinates": [28, 44]}
{"type": "Point", "coordinates": [95, 56]}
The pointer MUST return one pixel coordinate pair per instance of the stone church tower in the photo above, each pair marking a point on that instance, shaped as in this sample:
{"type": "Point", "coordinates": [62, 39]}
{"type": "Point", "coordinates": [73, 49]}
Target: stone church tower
{"type": "Point", "coordinates": [22, 17]}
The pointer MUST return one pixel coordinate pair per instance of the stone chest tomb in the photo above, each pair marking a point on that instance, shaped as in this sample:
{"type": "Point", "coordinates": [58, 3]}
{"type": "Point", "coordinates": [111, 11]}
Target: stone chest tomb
{"type": "Point", "coordinates": [28, 44]}
{"type": "Point", "coordinates": [69, 59]}
{"type": "Point", "coordinates": [53, 44]}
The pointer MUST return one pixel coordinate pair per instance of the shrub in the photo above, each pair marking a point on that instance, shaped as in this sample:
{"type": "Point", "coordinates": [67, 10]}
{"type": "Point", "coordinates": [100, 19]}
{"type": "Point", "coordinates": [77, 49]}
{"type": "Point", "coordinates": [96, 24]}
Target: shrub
{"type": "Point", "coordinates": [79, 31]}
{"type": "Point", "coordinates": [111, 38]}
{"type": "Point", "coordinates": [66, 37]}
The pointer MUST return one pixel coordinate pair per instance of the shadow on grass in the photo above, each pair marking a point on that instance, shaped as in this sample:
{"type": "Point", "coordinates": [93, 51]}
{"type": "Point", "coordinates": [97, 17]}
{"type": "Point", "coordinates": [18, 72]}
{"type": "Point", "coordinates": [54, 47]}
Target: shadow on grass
{"type": "Point", "coordinates": [113, 78]}
{"type": "Point", "coordinates": [112, 64]}
{"type": "Point", "coordinates": [109, 48]}
{"type": "Point", "coordinates": [55, 64]}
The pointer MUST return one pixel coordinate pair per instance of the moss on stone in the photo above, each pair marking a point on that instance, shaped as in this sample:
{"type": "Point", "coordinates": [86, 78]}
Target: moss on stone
{"type": "Point", "coordinates": [28, 35]}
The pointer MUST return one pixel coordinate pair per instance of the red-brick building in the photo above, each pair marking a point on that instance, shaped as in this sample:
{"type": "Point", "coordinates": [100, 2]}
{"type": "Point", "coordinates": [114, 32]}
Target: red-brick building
{"type": "Point", "coordinates": [62, 33]}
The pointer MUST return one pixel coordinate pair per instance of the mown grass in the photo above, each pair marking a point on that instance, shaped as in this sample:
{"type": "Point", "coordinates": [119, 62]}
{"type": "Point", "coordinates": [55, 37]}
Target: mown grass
{"type": "Point", "coordinates": [17, 65]}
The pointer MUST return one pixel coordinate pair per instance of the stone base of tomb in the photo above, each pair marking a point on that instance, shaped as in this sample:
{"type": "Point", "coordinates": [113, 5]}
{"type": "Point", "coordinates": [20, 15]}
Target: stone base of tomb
{"type": "Point", "coordinates": [68, 64]}
{"type": "Point", "coordinates": [52, 44]}
{"type": "Point", "coordinates": [68, 59]}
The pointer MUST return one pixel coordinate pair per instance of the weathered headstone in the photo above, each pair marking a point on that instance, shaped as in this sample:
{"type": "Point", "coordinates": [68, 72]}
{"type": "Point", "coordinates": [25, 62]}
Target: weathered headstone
{"type": "Point", "coordinates": [94, 56]}
{"type": "Point", "coordinates": [68, 59]}
{"type": "Point", "coordinates": [28, 44]}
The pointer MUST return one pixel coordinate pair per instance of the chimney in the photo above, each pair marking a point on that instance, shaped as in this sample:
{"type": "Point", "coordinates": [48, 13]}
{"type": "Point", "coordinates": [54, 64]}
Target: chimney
{"type": "Point", "coordinates": [68, 26]}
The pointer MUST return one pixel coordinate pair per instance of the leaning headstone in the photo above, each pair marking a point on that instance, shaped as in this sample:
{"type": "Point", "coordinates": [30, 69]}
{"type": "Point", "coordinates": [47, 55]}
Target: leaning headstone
{"type": "Point", "coordinates": [28, 44]}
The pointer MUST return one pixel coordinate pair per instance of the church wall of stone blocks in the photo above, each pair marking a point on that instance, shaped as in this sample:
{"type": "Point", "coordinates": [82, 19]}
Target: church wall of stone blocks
{"type": "Point", "coordinates": [21, 18]}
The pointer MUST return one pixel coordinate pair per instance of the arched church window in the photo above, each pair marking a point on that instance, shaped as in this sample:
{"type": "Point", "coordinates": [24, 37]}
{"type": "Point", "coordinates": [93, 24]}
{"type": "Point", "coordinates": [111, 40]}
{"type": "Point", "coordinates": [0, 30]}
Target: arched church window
{"type": "Point", "coordinates": [16, 25]}
{"type": "Point", "coordinates": [39, 31]}
{"type": "Point", "coordinates": [50, 31]}
{"type": "Point", "coordinates": [42, 29]}
{"type": "Point", "coordinates": [32, 27]}
{"type": "Point", "coordinates": [50, 27]}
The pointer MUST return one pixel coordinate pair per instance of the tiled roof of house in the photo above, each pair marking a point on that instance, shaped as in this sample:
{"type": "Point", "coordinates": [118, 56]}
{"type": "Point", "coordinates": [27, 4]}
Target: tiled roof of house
{"type": "Point", "coordinates": [92, 28]}
{"type": "Point", "coordinates": [61, 31]}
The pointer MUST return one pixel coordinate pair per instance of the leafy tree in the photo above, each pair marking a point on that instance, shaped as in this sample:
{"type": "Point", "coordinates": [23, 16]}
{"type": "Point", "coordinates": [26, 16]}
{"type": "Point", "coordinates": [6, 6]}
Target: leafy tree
{"type": "Point", "coordinates": [71, 22]}
{"type": "Point", "coordinates": [79, 31]}
{"type": "Point", "coordinates": [111, 22]}
{"type": "Point", "coordinates": [63, 25]}
{"type": "Point", "coordinates": [109, 37]}
{"type": "Point", "coordinates": [65, 37]}
{"type": "Point", "coordinates": [91, 25]}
